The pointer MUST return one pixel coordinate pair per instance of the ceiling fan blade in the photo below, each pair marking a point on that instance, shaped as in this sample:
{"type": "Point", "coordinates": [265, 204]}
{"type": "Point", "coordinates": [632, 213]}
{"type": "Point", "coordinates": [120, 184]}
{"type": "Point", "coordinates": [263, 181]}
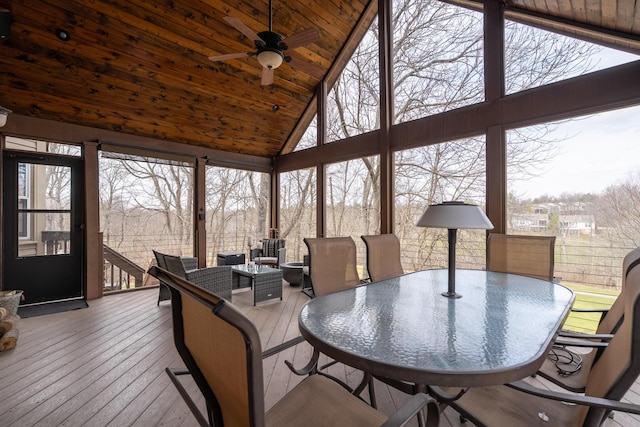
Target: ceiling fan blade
{"type": "Point", "coordinates": [267, 76]}
{"type": "Point", "coordinates": [228, 56]}
{"type": "Point", "coordinates": [307, 36]}
{"type": "Point", "coordinates": [239, 25]}
{"type": "Point", "coordinates": [300, 63]}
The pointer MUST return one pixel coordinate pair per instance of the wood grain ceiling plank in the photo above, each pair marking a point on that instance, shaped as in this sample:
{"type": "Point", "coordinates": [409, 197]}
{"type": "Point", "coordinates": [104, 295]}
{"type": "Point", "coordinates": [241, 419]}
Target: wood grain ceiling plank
{"type": "Point", "coordinates": [297, 89]}
{"type": "Point", "coordinates": [255, 15]}
{"type": "Point", "coordinates": [609, 14]}
{"type": "Point", "coordinates": [181, 90]}
{"type": "Point", "coordinates": [178, 75]}
{"type": "Point", "coordinates": [147, 62]}
{"type": "Point", "coordinates": [133, 120]}
{"type": "Point", "coordinates": [536, 5]}
{"type": "Point", "coordinates": [552, 7]}
{"type": "Point", "coordinates": [324, 20]}
{"type": "Point", "coordinates": [349, 11]}
{"type": "Point", "coordinates": [196, 24]}
{"type": "Point", "coordinates": [142, 44]}
{"type": "Point", "coordinates": [113, 49]}
{"type": "Point", "coordinates": [177, 111]}
{"type": "Point", "coordinates": [144, 32]}
{"type": "Point", "coordinates": [564, 9]}
{"type": "Point", "coordinates": [578, 10]}
{"type": "Point", "coordinates": [166, 21]}
{"type": "Point", "coordinates": [593, 11]}
{"type": "Point", "coordinates": [142, 125]}
{"type": "Point", "coordinates": [627, 10]}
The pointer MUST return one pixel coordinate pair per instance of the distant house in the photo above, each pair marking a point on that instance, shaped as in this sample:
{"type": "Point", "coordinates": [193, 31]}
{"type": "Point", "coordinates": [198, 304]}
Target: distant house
{"type": "Point", "coordinates": [537, 222]}
{"type": "Point", "coordinates": [569, 223]}
{"type": "Point", "coordinates": [577, 224]}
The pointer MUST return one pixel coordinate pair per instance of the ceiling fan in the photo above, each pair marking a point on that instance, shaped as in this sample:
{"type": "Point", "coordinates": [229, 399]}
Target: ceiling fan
{"type": "Point", "coordinates": [270, 46]}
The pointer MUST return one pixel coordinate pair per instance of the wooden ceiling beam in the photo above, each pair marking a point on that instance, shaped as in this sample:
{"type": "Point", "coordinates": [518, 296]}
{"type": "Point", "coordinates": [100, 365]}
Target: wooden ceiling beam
{"type": "Point", "coordinates": [332, 75]}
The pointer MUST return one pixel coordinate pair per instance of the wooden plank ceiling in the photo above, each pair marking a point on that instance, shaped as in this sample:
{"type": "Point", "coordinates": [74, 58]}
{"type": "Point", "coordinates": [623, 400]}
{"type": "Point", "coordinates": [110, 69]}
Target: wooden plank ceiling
{"type": "Point", "coordinates": [141, 66]}
{"type": "Point", "coordinates": [613, 23]}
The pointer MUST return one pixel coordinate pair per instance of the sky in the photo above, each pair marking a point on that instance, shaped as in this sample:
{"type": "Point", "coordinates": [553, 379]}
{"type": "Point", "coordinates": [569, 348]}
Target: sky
{"type": "Point", "coordinates": [601, 150]}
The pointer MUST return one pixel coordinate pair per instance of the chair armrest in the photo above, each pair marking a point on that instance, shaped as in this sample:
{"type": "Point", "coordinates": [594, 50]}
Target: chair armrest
{"type": "Point", "coordinates": [255, 253]}
{"type": "Point", "coordinates": [603, 311]}
{"type": "Point", "coordinates": [581, 336]}
{"type": "Point", "coordinates": [590, 310]}
{"type": "Point", "coordinates": [581, 343]}
{"type": "Point", "coordinates": [285, 345]}
{"type": "Point", "coordinates": [578, 399]}
{"type": "Point", "coordinates": [217, 280]}
{"type": "Point", "coordinates": [418, 401]}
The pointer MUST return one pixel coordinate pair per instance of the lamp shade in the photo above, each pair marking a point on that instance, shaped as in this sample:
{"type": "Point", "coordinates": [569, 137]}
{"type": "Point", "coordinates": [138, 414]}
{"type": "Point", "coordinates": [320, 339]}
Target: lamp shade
{"type": "Point", "coordinates": [454, 215]}
{"type": "Point", "coordinates": [270, 58]}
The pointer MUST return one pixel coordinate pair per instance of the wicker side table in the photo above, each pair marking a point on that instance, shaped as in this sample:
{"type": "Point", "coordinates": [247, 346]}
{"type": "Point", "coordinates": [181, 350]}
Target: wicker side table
{"type": "Point", "coordinates": [265, 281]}
{"type": "Point", "coordinates": [267, 286]}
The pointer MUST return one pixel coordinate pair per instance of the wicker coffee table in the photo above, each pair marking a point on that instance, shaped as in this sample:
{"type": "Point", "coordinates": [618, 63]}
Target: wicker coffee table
{"type": "Point", "coordinates": [265, 281]}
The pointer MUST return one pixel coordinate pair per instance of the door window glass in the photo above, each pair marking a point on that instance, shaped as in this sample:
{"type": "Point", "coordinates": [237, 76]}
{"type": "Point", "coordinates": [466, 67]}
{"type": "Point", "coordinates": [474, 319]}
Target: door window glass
{"type": "Point", "coordinates": [44, 209]}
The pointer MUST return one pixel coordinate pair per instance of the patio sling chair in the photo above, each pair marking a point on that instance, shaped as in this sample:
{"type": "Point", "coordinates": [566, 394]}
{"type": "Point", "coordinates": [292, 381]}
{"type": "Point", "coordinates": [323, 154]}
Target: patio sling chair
{"type": "Point", "coordinates": [217, 280]}
{"type": "Point", "coordinates": [610, 318]}
{"type": "Point", "coordinates": [608, 380]}
{"type": "Point", "coordinates": [221, 350]}
{"type": "Point", "coordinates": [383, 256]}
{"type": "Point", "coordinates": [332, 264]}
{"type": "Point", "coordinates": [567, 365]}
{"type": "Point", "coordinates": [332, 268]}
{"type": "Point", "coordinates": [526, 255]}
{"type": "Point", "coordinates": [190, 263]}
{"type": "Point", "coordinates": [268, 253]}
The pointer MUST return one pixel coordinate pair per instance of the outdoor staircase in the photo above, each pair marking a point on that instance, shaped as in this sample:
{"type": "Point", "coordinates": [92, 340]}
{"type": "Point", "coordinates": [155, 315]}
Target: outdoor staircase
{"type": "Point", "coordinates": [121, 270]}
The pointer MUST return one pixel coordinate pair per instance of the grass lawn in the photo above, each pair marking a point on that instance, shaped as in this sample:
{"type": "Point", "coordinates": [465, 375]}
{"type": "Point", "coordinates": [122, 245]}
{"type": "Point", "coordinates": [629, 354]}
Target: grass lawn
{"type": "Point", "coordinates": [588, 297]}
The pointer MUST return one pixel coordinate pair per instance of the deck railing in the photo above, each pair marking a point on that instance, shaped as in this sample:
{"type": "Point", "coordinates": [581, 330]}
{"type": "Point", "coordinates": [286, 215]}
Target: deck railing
{"type": "Point", "coordinates": [594, 263]}
{"type": "Point", "coordinates": [120, 273]}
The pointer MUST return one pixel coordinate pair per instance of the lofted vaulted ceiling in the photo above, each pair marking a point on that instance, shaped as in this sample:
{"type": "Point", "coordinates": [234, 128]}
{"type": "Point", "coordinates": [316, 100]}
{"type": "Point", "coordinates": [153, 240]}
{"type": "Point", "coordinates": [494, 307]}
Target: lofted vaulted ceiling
{"type": "Point", "coordinates": [141, 67]}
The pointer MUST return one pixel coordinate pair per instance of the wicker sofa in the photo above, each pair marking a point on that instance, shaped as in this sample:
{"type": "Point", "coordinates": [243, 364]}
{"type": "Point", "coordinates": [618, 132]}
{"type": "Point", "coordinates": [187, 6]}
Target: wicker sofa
{"type": "Point", "coordinates": [217, 280]}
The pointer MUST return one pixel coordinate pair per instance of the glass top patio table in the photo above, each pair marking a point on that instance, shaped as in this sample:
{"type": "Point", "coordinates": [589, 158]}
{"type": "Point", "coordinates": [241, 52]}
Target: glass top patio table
{"type": "Point", "coordinates": [402, 328]}
{"type": "Point", "coordinates": [252, 270]}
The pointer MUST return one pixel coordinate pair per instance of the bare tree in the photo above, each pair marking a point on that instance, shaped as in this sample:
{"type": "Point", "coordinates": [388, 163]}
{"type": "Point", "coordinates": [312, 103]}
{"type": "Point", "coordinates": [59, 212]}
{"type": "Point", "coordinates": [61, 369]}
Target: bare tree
{"type": "Point", "coordinates": [297, 209]}
{"type": "Point", "coordinates": [236, 207]}
{"type": "Point", "coordinates": [166, 189]}
{"type": "Point", "coordinates": [438, 66]}
{"type": "Point", "coordinates": [115, 201]}
{"type": "Point", "coordinates": [619, 211]}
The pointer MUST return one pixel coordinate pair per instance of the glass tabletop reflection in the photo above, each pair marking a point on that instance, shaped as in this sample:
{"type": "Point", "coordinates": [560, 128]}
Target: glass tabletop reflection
{"type": "Point", "coordinates": [253, 269]}
{"type": "Point", "coordinates": [402, 328]}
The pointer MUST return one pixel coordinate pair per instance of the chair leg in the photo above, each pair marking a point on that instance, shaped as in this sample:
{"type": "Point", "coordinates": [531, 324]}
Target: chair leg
{"type": "Point", "coordinates": [372, 393]}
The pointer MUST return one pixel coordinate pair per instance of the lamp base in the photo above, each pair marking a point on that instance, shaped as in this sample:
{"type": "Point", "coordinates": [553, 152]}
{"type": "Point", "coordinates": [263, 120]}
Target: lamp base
{"type": "Point", "coordinates": [451, 295]}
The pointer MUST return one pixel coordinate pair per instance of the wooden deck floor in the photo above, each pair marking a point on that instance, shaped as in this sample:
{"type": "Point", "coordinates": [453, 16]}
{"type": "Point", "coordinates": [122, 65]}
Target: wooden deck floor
{"type": "Point", "coordinates": [104, 365]}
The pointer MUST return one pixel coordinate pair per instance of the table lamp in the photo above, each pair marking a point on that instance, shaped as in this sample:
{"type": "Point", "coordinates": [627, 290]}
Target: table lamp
{"type": "Point", "coordinates": [452, 216]}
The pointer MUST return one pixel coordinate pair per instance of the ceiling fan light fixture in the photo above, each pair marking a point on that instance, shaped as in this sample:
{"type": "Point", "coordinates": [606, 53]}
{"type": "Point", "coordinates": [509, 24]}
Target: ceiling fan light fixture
{"type": "Point", "coordinates": [270, 58]}
{"type": "Point", "coordinates": [4, 114]}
